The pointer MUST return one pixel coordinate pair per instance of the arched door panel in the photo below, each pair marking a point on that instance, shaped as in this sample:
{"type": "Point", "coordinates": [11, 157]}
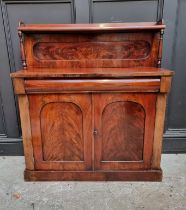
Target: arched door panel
{"type": "Point", "coordinates": [124, 130]}
{"type": "Point", "coordinates": [61, 131]}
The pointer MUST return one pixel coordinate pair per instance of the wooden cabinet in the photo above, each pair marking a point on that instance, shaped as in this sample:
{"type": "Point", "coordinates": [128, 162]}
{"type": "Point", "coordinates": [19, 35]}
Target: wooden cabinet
{"type": "Point", "coordinates": [116, 129]}
{"type": "Point", "coordinates": [92, 101]}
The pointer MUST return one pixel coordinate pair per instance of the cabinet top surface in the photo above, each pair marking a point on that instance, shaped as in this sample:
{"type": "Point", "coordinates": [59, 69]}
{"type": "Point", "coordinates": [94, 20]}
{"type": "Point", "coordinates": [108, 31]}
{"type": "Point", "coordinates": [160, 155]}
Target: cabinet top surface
{"type": "Point", "coordinates": [90, 27]}
{"type": "Point", "coordinates": [93, 73]}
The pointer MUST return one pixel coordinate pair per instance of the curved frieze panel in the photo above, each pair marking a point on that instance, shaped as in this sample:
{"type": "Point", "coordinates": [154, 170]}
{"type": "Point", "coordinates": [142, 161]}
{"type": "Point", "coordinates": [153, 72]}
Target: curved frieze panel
{"type": "Point", "coordinates": [129, 49]}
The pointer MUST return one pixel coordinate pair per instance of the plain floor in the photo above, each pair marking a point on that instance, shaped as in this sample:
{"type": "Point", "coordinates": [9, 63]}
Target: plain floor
{"type": "Point", "coordinates": [19, 195]}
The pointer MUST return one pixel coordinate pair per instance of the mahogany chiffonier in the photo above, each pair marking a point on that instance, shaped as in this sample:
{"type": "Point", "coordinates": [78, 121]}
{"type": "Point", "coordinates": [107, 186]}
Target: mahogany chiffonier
{"type": "Point", "coordinates": [92, 101]}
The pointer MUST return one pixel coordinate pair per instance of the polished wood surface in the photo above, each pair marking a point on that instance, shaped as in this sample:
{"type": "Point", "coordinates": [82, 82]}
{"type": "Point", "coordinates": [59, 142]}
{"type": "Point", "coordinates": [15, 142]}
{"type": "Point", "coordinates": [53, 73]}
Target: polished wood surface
{"type": "Point", "coordinates": [123, 138]}
{"type": "Point", "coordinates": [91, 50]}
{"type": "Point", "coordinates": [94, 85]}
{"type": "Point", "coordinates": [61, 131]}
{"type": "Point", "coordinates": [158, 130]}
{"type": "Point", "coordinates": [130, 133]}
{"type": "Point", "coordinates": [29, 28]}
{"type": "Point", "coordinates": [26, 131]}
{"type": "Point", "coordinates": [123, 49]}
{"type": "Point", "coordinates": [95, 45]}
{"type": "Point", "coordinates": [92, 101]}
{"type": "Point", "coordinates": [92, 73]}
{"type": "Point", "coordinates": [139, 175]}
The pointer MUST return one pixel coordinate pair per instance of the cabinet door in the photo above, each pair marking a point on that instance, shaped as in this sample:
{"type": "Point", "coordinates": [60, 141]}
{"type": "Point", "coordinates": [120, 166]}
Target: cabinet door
{"type": "Point", "coordinates": [124, 125]}
{"type": "Point", "coordinates": [61, 131]}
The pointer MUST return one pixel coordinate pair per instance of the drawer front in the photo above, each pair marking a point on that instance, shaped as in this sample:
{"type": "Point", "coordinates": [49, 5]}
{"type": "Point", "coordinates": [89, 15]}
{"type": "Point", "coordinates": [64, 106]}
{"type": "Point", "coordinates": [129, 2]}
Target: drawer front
{"type": "Point", "coordinates": [77, 85]}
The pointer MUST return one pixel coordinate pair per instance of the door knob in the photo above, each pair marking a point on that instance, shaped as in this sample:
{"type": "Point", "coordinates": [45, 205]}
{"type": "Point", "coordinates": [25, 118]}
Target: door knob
{"type": "Point", "coordinates": [95, 132]}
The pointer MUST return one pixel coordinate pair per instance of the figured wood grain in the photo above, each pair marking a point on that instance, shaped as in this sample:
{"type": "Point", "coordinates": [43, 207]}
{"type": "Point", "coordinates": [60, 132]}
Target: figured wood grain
{"type": "Point", "coordinates": [92, 101]}
{"type": "Point", "coordinates": [123, 131]}
{"type": "Point", "coordinates": [88, 50]}
{"type": "Point", "coordinates": [91, 50]}
{"type": "Point", "coordinates": [62, 132]}
{"type": "Point", "coordinates": [110, 128]}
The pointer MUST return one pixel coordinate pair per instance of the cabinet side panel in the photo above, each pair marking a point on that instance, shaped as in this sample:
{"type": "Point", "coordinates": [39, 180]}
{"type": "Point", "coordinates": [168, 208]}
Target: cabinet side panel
{"type": "Point", "coordinates": [26, 131]}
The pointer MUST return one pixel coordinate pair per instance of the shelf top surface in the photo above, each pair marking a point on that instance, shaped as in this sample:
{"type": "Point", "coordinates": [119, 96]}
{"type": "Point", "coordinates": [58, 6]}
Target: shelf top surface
{"type": "Point", "coordinates": [90, 27]}
{"type": "Point", "coordinates": [92, 73]}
